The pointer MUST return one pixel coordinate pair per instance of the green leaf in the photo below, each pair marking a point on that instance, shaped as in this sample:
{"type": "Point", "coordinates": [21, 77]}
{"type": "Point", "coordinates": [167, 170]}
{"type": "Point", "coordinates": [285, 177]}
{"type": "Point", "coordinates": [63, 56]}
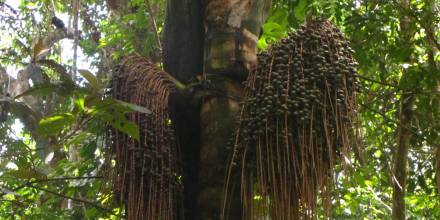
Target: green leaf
{"type": "Point", "coordinates": [55, 124]}
{"type": "Point", "coordinates": [301, 9]}
{"type": "Point", "coordinates": [80, 103]}
{"type": "Point", "coordinates": [273, 29]}
{"type": "Point", "coordinates": [127, 127]}
{"type": "Point", "coordinates": [114, 113]}
{"type": "Point", "coordinates": [280, 16]}
{"type": "Point", "coordinates": [91, 213]}
{"type": "Point", "coordinates": [80, 138]}
{"type": "Point", "coordinates": [262, 44]}
{"type": "Point", "coordinates": [24, 173]}
{"type": "Point", "coordinates": [107, 105]}
{"type": "Point", "coordinates": [39, 90]}
{"type": "Point", "coordinates": [88, 150]}
{"type": "Point", "coordinates": [134, 107]}
{"type": "Point", "coordinates": [93, 81]}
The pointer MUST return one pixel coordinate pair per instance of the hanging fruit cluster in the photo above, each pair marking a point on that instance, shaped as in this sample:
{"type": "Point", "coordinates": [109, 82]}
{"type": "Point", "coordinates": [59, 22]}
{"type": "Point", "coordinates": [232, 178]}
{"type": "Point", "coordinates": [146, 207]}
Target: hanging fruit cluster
{"type": "Point", "coordinates": [146, 175]}
{"type": "Point", "coordinates": [298, 116]}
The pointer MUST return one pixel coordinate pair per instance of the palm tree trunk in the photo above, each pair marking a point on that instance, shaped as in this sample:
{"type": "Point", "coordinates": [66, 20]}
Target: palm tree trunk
{"type": "Point", "coordinates": [224, 51]}
{"type": "Point", "coordinates": [231, 35]}
{"type": "Point", "coordinates": [183, 58]}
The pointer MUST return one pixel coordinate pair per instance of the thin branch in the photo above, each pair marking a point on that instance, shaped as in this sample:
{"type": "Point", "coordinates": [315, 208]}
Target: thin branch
{"type": "Point", "coordinates": [416, 91]}
{"type": "Point", "coordinates": [56, 179]}
{"type": "Point", "coordinates": [78, 127]}
{"type": "Point", "coordinates": [65, 178]}
{"type": "Point", "coordinates": [9, 7]}
{"type": "Point", "coordinates": [378, 82]}
{"type": "Point", "coordinates": [78, 200]}
{"type": "Point", "coordinates": [153, 20]}
{"type": "Point", "coordinates": [29, 183]}
{"type": "Point", "coordinates": [76, 6]}
{"type": "Point", "coordinates": [28, 148]}
{"type": "Point", "coordinates": [395, 122]}
{"type": "Point", "coordinates": [12, 201]}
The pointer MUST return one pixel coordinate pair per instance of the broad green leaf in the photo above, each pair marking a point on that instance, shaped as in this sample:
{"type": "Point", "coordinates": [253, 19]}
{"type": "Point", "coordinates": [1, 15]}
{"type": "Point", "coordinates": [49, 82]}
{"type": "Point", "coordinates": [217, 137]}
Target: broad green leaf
{"type": "Point", "coordinates": [127, 127]}
{"type": "Point", "coordinates": [93, 81]}
{"type": "Point", "coordinates": [39, 90]}
{"type": "Point", "coordinates": [91, 213]}
{"type": "Point", "coordinates": [273, 29]}
{"type": "Point", "coordinates": [78, 139]}
{"type": "Point", "coordinates": [280, 16]}
{"type": "Point", "coordinates": [115, 116]}
{"type": "Point", "coordinates": [262, 44]}
{"type": "Point", "coordinates": [301, 9]}
{"type": "Point", "coordinates": [79, 102]}
{"type": "Point", "coordinates": [55, 124]}
{"type": "Point", "coordinates": [134, 107]}
{"type": "Point", "coordinates": [88, 150]}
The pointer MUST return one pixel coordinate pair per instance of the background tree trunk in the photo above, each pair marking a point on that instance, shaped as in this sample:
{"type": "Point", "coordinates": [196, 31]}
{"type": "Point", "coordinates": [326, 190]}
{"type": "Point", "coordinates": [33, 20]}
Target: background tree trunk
{"type": "Point", "coordinates": [401, 156]}
{"type": "Point", "coordinates": [429, 24]}
{"type": "Point", "coordinates": [183, 58]}
{"type": "Point", "coordinates": [405, 117]}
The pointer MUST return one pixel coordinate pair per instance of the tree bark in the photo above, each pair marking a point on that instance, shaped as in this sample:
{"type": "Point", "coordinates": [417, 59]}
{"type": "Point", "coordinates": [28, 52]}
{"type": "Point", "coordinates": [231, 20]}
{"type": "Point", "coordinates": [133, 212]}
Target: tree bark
{"type": "Point", "coordinates": [401, 156]}
{"type": "Point", "coordinates": [437, 169]}
{"type": "Point", "coordinates": [183, 58]}
{"type": "Point", "coordinates": [231, 34]}
{"type": "Point", "coordinates": [428, 23]}
{"type": "Point", "coordinates": [217, 120]}
{"type": "Point", "coordinates": [405, 118]}
{"type": "Point", "coordinates": [183, 39]}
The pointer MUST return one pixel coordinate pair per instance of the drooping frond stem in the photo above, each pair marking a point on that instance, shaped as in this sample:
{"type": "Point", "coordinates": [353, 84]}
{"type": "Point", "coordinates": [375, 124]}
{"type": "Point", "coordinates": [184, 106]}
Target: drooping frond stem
{"type": "Point", "coordinates": [298, 117]}
{"type": "Point", "coordinates": [147, 174]}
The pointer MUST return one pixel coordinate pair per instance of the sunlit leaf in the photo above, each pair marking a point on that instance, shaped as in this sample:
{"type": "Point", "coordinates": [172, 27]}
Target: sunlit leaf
{"type": "Point", "coordinates": [79, 102]}
{"type": "Point", "coordinates": [91, 79]}
{"type": "Point", "coordinates": [54, 124]}
{"type": "Point", "coordinates": [134, 107]}
{"type": "Point", "coordinates": [127, 127]}
{"type": "Point", "coordinates": [301, 9]}
{"type": "Point", "coordinates": [91, 213]}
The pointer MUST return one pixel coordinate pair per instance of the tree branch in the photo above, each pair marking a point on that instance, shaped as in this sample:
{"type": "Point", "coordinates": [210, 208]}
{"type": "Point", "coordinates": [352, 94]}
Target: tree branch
{"type": "Point", "coordinates": [153, 21]}
{"type": "Point", "coordinates": [78, 200]}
